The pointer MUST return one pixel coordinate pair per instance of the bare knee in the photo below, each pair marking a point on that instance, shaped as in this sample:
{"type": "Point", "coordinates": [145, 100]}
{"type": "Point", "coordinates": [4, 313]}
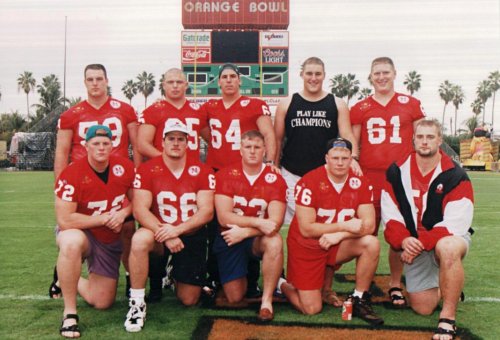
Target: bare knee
{"type": "Point", "coordinates": [142, 241]}
{"type": "Point", "coordinates": [423, 309]}
{"type": "Point", "coordinates": [273, 245]}
{"type": "Point", "coordinates": [311, 309]}
{"type": "Point", "coordinates": [371, 244]}
{"type": "Point", "coordinates": [71, 243]}
{"type": "Point", "coordinates": [450, 250]}
{"type": "Point", "coordinates": [189, 300]}
{"type": "Point", "coordinates": [424, 306]}
{"type": "Point", "coordinates": [101, 304]}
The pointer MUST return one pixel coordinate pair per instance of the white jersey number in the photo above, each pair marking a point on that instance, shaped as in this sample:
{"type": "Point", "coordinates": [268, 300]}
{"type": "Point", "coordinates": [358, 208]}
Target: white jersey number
{"type": "Point", "coordinates": [169, 212]}
{"type": "Point", "coordinates": [254, 203]}
{"type": "Point", "coordinates": [114, 124]}
{"type": "Point", "coordinates": [232, 135]}
{"type": "Point", "coordinates": [376, 130]}
{"type": "Point", "coordinates": [344, 214]}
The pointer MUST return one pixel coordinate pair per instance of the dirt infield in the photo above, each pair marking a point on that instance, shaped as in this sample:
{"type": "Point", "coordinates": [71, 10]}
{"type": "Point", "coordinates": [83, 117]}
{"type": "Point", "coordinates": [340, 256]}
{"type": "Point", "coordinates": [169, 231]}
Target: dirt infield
{"type": "Point", "coordinates": [214, 328]}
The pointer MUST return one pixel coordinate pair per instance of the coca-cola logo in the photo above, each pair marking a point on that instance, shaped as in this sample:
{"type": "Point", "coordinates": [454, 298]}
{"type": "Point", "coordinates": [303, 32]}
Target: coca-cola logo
{"type": "Point", "coordinates": [273, 53]}
{"type": "Point", "coordinates": [200, 55]}
{"type": "Point", "coordinates": [195, 54]}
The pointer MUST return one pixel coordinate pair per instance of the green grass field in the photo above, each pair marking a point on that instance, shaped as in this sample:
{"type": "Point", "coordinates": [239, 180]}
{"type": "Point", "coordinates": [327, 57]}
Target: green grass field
{"type": "Point", "coordinates": [28, 253]}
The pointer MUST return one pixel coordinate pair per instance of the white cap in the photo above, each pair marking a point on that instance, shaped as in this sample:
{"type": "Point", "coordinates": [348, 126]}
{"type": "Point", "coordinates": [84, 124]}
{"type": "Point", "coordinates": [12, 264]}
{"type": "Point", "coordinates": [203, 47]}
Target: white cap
{"type": "Point", "coordinates": [175, 125]}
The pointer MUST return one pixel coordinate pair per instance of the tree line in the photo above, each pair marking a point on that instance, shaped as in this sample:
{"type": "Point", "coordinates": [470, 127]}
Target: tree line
{"type": "Point", "coordinates": [343, 86]}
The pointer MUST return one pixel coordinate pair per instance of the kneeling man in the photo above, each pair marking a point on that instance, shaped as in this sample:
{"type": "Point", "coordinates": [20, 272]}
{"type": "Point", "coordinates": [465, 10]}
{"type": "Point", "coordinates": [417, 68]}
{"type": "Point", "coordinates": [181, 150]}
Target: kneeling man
{"type": "Point", "coordinates": [173, 197]}
{"type": "Point", "coordinates": [89, 209]}
{"type": "Point", "coordinates": [333, 224]}
{"type": "Point", "coordinates": [427, 209]}
{"type": "Point", "coordinates": [250, 203]}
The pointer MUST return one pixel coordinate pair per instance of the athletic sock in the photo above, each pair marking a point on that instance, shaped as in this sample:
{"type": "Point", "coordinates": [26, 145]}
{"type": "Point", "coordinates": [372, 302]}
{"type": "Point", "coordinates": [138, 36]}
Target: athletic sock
{"type": "Point", "coordinates": [138, 295]}
{"type": "Point", "coordinates": [278, 286]}
{"type": "Point", "coordinates": [357, 293]}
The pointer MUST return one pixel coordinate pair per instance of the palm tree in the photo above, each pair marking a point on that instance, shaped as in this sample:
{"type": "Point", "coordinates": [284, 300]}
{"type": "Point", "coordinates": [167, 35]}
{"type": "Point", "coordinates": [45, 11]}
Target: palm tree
{"type": "Point", "coordinates": [146, 85]}
{"type": "Point", "coordinates": [352, 86]}
{"type": "Point", "coordinates": [160, 85]}
{"type": "Point", "coordinates": [74, 101]}
{"type": "Point", "coordinates": [476, 106]}
{"type": "Point", "coordinates": [27, 83]}
{"type": "Point", "coordinates": [472, 123]}
{"type": "Point", "coordinates": [483, 92]}
{"type": "Point", "coordinates": [344, 86]}
{"type": "Point", "coordinates": [50, 97]}
{"type": "Point", "coordinates": [412, 81]}
{"type": "Point", "coordinates": [446, 94]}
{"type": "Point", "coordinates": [338, 85]}
{"type": "Point", "coordinates": [458, 98]}
{"type": "Point", "coordinates": [494, 79]}
{"type": "Point", "coordinates": [129, 89]}
{"type": "Point", "coordinates": [365, 92]}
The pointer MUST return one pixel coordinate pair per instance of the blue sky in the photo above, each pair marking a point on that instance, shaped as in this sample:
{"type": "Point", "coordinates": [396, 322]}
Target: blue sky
{"type": "Point", "coordinates": [457, 40]}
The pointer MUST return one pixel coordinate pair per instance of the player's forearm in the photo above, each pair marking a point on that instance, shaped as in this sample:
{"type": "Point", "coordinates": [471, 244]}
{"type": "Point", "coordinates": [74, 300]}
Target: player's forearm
{"type": "Point", "coordinates": [316, 230]}
{"type": "Point", "coordinates": [146, 219]}
{"type": "Point", "coordinates": [277, 158]}
{"type": "Point", "coordinates": [226, 218]}
{"type": "Point", "coordinates": [80, 221]}
{"type": "Point", "coordinates": [197, 221]}
{"type": "Point", "coordinates": [270, 148]}
{"type": "Point", "coordinates": [147, 149]}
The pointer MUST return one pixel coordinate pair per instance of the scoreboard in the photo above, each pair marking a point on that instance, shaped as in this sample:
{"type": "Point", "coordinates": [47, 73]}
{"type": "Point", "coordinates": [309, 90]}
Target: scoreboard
{"type": "Point", "coordinates": [262, 57]}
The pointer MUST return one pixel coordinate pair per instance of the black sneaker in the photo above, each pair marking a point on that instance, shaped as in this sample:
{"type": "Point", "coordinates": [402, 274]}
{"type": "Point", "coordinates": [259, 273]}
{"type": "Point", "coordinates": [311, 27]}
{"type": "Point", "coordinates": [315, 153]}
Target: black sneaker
{"type": "Point", "coordinates": [253, 291]}
{"type": "Point", "coordinates": [154, 296]}
{"type": "Point", "coordinates": [127, 286]}
{"type": "Point", "coordinates": [362, 308]}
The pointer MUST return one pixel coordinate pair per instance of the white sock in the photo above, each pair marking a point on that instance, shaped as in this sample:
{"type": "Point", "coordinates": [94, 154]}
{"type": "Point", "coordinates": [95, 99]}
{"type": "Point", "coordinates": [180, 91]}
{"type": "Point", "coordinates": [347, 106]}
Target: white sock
{"type": "Point", "coordinates": [357, 293]}
{"type": "Point", "coordinates": [138, 295]}
{"type": "Point", "coordinates": [278, 286]}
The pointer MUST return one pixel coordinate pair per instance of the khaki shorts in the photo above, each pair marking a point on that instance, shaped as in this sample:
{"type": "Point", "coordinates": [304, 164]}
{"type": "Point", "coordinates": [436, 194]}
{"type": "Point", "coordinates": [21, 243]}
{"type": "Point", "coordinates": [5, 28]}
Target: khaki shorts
{"type": "Point", "coordinates": [423, 273]}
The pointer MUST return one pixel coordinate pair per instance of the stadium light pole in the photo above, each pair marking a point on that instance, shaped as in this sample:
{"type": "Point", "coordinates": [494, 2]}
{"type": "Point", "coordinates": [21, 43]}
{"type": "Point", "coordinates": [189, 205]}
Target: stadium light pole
{"type": "Point", "coordinates": [64, 74]}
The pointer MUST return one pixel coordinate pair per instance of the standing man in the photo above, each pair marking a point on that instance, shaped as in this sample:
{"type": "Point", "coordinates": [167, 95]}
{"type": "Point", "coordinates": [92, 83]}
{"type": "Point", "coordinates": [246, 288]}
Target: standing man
{"type": "Point", "coordinates": [173, 201]}
{"type": "Point", "coordinates": [384, 125]}
{"type": "Point", "coordinates": [427, 210]}
{"type": "Point", "coordinates": [89, 210]}
{"type": "Point", "coordinates": [175, 107]}
{"type": "Point", "coordinates": [304, 124]}
{"type": "Point", "coordinates": [99, 108]}
{"type": "Point", "coordinates": [250, 205]}
{"type": "Point", "coordinates": [333, 224]}
{"type": "Point", "coordinates": [228, 118]}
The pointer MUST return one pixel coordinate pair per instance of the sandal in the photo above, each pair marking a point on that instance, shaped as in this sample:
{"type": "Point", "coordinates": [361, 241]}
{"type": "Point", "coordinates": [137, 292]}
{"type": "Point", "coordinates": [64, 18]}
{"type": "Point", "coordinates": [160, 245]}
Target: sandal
{"type": "Point", "coordinates": [443, 331]}
{"type": "Point", "coordinates": [73, 328]}
{"type": "Point", "coordinates": [397, 297]}
{"type": "Point", "coordinates": [54, 290]}
{"type": "Point", "coordinates": [330, 298]}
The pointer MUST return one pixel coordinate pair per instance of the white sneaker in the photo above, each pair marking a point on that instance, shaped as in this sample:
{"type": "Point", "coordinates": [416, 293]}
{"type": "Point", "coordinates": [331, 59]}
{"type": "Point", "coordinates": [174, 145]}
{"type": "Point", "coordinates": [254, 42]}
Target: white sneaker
{"type": "Point", "coordinates": [136, 316]}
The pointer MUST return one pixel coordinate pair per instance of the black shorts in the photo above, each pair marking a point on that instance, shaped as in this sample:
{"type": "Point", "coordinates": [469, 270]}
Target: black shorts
{"type": "Point", "coordinates": [190, 264]}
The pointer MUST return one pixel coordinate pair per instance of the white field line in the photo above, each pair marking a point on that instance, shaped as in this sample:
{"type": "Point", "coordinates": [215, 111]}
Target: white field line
{"type": "Point", "coordinates": [13, 297]}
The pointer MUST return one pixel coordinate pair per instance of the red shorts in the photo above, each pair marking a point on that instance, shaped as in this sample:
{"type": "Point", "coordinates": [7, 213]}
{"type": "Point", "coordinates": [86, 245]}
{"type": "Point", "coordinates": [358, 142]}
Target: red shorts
{"type": "Point", "coordinates": [306, 266]}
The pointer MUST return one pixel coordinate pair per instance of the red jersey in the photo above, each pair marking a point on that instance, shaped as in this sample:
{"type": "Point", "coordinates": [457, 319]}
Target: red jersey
{"type": "Point", "coordinates": [315, 190]}
{"type": "Point", "coordinates": [114, 114]}
{"type": "Point", "coordinates": [386, 131]}
{"type": "Point", "coordinates": [227, 126]}
{"type": "Point", "coordinates": [174, 199]}
{"type": "Point", "coordinates": [79, 183]}
{"type": "Point", "coordinates": [160, 113]}
{"type": "Point", "coordinates": [250, 199]}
